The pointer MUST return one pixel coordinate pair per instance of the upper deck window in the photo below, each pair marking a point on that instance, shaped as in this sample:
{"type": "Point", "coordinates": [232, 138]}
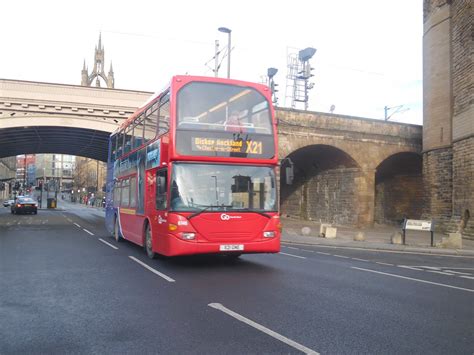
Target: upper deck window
{"type": "Point", "coordinates": [223, 107]}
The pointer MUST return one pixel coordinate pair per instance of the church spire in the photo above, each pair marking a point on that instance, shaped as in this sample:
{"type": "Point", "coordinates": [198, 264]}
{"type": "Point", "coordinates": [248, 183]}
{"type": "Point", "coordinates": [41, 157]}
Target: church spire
{"type": "Point", "coordinates": [98, 71]}
{"type": "Point", "coordinates": [100, 41]}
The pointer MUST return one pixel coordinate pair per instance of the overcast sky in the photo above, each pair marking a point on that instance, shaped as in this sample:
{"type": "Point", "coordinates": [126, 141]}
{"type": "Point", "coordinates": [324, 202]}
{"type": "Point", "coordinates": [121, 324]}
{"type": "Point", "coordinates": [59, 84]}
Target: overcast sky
{"type": "Point", "coordinates": [369, 52]}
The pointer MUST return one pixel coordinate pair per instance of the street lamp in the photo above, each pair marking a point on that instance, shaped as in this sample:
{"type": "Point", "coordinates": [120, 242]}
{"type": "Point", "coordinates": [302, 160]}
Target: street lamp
{"type": "Point", "coordinates": [228, 31]}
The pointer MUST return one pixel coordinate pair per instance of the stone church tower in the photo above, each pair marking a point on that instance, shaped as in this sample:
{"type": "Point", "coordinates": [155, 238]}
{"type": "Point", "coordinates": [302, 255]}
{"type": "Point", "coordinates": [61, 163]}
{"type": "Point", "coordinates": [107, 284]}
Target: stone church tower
{"type": "Point", "coordinates": [448, 114]}
{"type": "Point", "coordinates": [98, 71]}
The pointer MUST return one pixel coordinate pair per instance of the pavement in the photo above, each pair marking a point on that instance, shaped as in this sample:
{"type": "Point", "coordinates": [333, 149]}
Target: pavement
{"type": "Point", "coordinates": [377, 237]}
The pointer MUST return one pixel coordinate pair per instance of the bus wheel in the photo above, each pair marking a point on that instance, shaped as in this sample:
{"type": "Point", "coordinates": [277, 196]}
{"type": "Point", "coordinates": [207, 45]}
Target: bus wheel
{"type": "Point", "coordinates": [117, 236]}
{"type": "Point", "coordinates": [149, 243]}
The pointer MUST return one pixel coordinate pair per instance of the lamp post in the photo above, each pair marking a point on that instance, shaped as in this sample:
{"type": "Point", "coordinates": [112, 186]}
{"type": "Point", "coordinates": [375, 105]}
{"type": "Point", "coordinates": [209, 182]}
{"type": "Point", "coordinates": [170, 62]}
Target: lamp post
{"type": "Point", "coordinates": [228, 31]}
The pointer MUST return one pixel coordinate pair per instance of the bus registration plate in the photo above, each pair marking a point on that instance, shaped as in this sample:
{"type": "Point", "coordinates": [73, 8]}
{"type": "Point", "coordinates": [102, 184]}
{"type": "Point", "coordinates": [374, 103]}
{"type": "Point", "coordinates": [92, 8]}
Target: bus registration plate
{"type": "Point", "coordinates": [231, 247]}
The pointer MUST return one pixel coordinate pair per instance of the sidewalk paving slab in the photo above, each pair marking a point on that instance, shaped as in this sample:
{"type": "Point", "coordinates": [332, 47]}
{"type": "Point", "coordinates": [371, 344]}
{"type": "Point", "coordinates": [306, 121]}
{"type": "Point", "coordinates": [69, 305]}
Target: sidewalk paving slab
{"type": "Point", "coordinates": [377, 237]}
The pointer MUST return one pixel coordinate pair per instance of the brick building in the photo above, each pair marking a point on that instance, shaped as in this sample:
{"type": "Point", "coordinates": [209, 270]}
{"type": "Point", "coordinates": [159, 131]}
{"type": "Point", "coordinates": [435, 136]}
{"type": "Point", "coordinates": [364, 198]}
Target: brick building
{"type": "Point", "coordinates": [448, 115]}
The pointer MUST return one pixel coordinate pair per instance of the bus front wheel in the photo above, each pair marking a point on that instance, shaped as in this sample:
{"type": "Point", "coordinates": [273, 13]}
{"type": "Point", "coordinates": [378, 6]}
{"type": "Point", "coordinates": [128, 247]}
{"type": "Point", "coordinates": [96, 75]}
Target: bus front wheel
{"type": "Point", "coordinates": [149, 243]}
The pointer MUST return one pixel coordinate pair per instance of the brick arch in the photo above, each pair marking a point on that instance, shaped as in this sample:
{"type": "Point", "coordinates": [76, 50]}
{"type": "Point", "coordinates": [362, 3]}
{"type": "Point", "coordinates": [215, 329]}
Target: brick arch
{"type": "Point", "coordinates": [301, 143]}
{"type": "Point", "coordinates": [325, 186]}
{"type": "Point", "coordinates": [399, 188]}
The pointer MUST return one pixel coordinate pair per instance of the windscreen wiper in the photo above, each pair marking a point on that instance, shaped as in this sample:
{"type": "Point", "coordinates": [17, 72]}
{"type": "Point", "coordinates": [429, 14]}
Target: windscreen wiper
{"type": "Point", "coordinates": [206, 208]}
{"type": "Point", "coordinates": [252, 210]}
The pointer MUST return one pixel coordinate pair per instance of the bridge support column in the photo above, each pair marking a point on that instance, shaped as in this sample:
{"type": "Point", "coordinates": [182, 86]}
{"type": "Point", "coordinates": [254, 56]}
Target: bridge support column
{"type": "Point", "coordinates": [365, 197]}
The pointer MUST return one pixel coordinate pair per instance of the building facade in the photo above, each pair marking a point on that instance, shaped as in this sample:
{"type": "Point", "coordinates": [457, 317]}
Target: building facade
{"type": "Point", "coordinates": [55, 171]}
{"type": "Point", "coordinates": [448, 114]}
{"type": "Point", "coordinates": [90, 178]}
{"type": "Point", "coordinates": [7, 176]}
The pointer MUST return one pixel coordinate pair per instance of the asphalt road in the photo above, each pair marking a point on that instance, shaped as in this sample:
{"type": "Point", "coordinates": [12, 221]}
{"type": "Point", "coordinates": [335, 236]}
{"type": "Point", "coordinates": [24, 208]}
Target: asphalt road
{"type": "Point", "coordinates": [67, 287]}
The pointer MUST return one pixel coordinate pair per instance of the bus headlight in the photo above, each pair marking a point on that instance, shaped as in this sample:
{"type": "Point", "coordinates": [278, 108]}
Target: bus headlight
{"type": "Point", "coordinates": [188, 236]}
{"type": "Point", "coordinates": [268, 234]}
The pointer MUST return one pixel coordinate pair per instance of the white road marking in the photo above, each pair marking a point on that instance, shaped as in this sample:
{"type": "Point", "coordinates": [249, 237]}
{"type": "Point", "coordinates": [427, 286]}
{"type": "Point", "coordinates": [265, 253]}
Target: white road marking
{"type": "Point", "coordinates": [409, 267]}
{"type": "Point", "coordinates": [360, 259]}
{"type": "Point", "coordinates": [341, 256]}
{"type": "Point", "coordinates": [379, 262]}
{"type": "Point", "coordinates": [85, 230]}
{"type": "Point", "coordinates": [309, 251]}
{"type": "Point", "coordinates": [77, 225]}
{"type": "Point", "coordinates": [110, 245]}
{"type": "Point", "coordinates": [295, 256]}
{"type": "Point", "coordinates": [386, 251]}
{"type": "Point", "coordinates": [293, 248]}
{"type": "Point", "coordinates": [320, 252]}
{"type": "Point", "coordinates": [413, 279]}
{"type": "Point", "coordinates": [263, 329]}
{"type": "Point", "coordinates": [156, 272]}
{"type": "Point", "coordinates": [439, 272]}
{"type": "Point", "coordinates": [468, 277]}
{"type": "Point", "coordinates": [457, 272]}
{"type": "Point", "coordinates": [462, 268]}
{"type": "Point", "coordinates": [430, 267]}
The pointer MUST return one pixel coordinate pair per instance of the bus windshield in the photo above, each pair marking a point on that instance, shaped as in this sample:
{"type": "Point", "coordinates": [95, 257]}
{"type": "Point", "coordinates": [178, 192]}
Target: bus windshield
{"type": "Point", "coordinates": [216, 187]}
{"type": "Point", "coordinates": [222, 107]}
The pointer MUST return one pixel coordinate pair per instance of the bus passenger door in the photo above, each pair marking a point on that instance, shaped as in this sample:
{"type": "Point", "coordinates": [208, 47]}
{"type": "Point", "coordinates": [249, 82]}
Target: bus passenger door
{"type": "Point", "coordinates": [161, 215]}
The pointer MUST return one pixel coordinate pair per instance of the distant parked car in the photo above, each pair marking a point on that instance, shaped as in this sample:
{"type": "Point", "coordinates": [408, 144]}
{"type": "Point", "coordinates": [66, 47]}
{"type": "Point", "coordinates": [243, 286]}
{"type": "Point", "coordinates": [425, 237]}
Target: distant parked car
{"type": "Point", "coordinates": [8, 203]}
{"type": "Point", "coordinates": [24, 205]}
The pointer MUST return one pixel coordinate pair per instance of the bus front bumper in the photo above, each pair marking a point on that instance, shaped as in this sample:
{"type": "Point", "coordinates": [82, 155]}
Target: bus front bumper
{"type": "Point", "coordinates": [173, 246]}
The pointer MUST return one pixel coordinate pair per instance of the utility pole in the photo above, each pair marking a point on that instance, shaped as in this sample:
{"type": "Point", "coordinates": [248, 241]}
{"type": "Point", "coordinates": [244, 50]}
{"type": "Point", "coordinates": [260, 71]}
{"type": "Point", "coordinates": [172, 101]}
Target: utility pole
{"type": "Point", "coordinates": [216, 60]}
{"type": "Point", "coordinates": [398, 109]}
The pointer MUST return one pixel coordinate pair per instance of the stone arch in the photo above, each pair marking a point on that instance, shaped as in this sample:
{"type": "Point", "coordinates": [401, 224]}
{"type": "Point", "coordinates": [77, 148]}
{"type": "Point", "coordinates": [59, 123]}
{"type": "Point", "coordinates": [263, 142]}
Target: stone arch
{"type": "Point", "coordinates": [325, 187]}
{"type": "Point", "coordinates": [84, 142]}
{"type": "Point", "coordinates": [399, 188]}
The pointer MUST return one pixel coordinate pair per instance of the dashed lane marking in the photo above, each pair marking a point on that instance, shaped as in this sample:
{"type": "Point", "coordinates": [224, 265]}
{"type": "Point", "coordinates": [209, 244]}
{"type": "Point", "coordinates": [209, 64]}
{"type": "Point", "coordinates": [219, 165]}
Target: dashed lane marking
{"type": "Point", "coordinates": [309, 251]}
{"type": "Point", "coordinates": [110, 245]}
{"type": "Point", "coordinates": [85, 230]}
{"type": "Point", "coordinates": [381, 263]}
{"type": "Point", "coordinates": [457, 272]}
{"type": "Point", "coordinates": [467, 277]}
{"type": "Point", "coordinates": [439, 272]}
{"type": "Point", "coordinates": [412, 279]}
{"type": "Point", "coordinates": [156, 272]}
{"type": "Point", "coordinates": [295, 256]}
{"type": "Point", "coordinates": [409, 267]}
{"type": "Point", "coordinates": [293, 248]}
{"type": "Point", "coordinates": [77, 225]}
{"type": "Point", "coordinates": [341, 256]}
{"type": "Point", "coordinates": [360, 259]}
{"type": "Point", "coordinates": [320, 252]}
{"type": "Point", "coordinates": [263, 329]}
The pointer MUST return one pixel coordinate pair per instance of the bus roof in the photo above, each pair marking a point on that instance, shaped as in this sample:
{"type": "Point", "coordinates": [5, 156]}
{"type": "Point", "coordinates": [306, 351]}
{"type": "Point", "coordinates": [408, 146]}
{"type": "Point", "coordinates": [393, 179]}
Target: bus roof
{"type": "Point", "coordinates": [186, 79]}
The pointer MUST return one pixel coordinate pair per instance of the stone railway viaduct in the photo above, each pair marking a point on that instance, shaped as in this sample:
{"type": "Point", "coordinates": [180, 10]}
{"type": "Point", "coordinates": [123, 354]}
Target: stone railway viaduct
{"type": "Point", "coordinates": [347, 170]}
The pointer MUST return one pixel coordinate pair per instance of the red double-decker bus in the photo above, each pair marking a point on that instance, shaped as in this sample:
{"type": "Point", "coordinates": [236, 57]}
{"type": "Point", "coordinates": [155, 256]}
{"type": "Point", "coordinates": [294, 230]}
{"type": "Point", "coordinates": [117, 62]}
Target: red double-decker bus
{"type": "Point", "coordinates": [193, 171]}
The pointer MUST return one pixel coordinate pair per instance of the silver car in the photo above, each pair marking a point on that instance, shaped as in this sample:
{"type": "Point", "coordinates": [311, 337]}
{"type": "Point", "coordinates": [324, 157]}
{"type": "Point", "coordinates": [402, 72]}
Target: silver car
{"type": "Point", "coordinates": [8, 203]}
